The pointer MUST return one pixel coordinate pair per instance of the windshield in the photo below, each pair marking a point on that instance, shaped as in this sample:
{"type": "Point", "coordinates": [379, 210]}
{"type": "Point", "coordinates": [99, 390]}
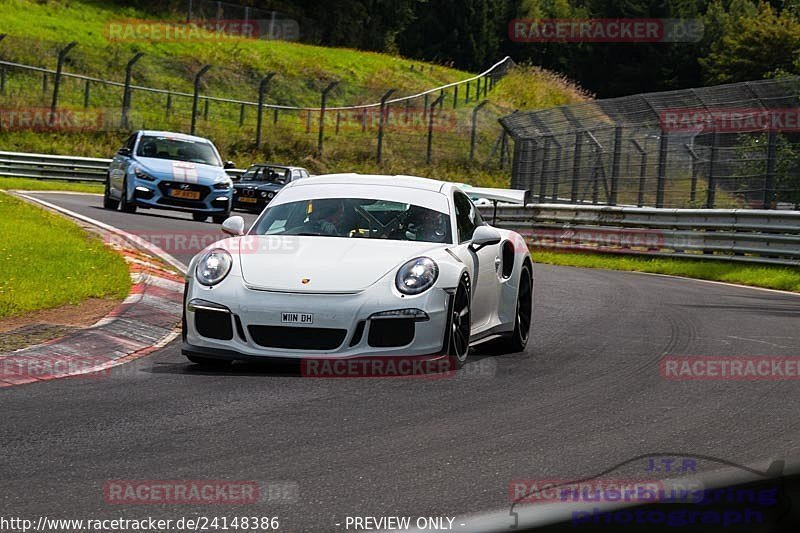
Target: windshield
{"type": "Point", "coordinates": [356, 218]}
{"type": "Point", "coordinates": [178, 150]}
{"type": "Point", "coordinates": [267, 174]}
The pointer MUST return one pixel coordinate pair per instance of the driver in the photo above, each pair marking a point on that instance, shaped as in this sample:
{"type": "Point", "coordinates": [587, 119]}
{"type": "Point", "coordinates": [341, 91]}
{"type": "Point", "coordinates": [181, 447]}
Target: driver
{"type": "Point", "coordinates": [427, 225]}
{"type": "Point", "coordinates": [327, 217]}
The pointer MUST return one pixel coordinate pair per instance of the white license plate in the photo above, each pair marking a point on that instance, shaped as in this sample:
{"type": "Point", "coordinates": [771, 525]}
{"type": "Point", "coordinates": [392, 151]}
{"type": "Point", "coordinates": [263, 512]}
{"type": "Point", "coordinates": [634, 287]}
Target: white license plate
{"type": "Point", "coordinates": [297, 318]}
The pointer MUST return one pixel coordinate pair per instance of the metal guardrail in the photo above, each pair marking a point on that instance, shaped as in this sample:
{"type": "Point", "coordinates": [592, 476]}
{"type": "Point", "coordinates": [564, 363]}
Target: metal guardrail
{"type": "Point", "coordinates": [749, 235]}
{"type": "Point", "coordinates": [59, 167]}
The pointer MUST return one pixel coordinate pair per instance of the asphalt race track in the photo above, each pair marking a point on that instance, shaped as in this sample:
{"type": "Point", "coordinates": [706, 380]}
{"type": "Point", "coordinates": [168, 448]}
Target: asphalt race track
{"type": "Point", "coordinates": [586, 395]}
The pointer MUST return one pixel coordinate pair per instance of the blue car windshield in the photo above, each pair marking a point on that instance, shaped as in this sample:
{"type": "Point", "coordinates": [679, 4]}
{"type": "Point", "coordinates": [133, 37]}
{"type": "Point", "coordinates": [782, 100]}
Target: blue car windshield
{"type": "Point", "coordinates": [178, 150]}
{"type": "Point", "coordinates": [355, 218]}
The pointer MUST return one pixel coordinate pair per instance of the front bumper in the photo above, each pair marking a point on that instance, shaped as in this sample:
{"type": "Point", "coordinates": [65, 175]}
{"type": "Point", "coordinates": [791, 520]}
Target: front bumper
{"type": "Point", "coordinates": [156, 194]}
{"type": "Point", "coordinates": [248, 323]}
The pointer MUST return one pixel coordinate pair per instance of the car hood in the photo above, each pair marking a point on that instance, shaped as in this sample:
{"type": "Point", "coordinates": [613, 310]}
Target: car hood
{"type": "Point", "coordinates": [169, 169]}
{"type": "Point", "coordinates": [259, 185]}
{"type": "Point", "coordinates": [327, 264]}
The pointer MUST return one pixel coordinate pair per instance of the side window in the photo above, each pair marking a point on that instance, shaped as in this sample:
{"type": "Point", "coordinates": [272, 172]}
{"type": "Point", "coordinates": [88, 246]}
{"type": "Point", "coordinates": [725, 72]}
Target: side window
{"type": "Point", "coordinates": [296, 175]}
{"type": "Point", "coordinates": [303, 174]}
{"type": "Point", "coordinates": [467, 217]}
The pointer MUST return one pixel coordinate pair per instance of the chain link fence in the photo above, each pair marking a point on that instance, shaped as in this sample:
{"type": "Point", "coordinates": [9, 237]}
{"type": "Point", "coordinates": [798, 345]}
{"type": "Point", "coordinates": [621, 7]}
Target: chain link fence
{"type": "Point", "coordinates": [118, 91]}
{"type": "Point", "coordinates": [734, 145]}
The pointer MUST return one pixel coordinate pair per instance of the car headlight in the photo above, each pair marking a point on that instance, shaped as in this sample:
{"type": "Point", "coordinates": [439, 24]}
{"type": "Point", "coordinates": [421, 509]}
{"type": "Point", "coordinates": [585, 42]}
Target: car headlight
{"type": "Point", "coordinates": [223, 185]}
{"type": "Point", "coordinates": [417, 275]}
{"type": "Point", "coordinates": [263, 194]}
{"type": "Point", "coordinates": [141, 174]}
{"type": "Point", "coordinates": [270, 195]}
{"type": "Point", "coordinates": [213, 266]}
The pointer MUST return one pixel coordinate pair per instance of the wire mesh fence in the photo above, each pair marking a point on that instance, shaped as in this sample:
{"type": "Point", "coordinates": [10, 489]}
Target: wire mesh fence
{"type": "Point", "coordinates": [45, 85]}
{"type": "Point", "coordinates": [734, 145]}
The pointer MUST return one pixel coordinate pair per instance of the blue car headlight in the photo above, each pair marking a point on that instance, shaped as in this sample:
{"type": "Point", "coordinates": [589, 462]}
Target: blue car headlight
{"type": "Point", "coordinates": [142, 175]}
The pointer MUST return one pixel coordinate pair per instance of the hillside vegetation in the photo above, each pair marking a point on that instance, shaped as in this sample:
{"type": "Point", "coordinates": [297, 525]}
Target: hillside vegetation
{"type": "Point", "coordinates": [36, 30]}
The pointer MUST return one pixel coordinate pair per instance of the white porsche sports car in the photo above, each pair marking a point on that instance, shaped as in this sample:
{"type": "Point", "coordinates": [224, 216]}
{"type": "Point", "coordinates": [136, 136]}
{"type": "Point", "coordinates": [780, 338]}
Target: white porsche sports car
{"type": "Point", "coordinates": [348, 265]}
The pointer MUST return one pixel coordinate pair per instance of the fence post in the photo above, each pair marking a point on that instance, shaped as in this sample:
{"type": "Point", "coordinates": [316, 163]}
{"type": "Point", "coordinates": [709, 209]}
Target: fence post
{"type": "Point", "coordinates": [769, 176]}
{"type": "Point", "coordinates": [477, 88]}
{"type": "Point", "coordinates": [642, 172]}
{"type": "Point", "coordinates": [576, 167]}
{"type": "Point", "coordinates": [615, 163]}
{"type": "Point", "coordinates": [503, 148]}
{"type": "Point", "coordinates": [275, 116]}
{"type": "Point", "coordinates": [425, 109]}
{"type": "Point", "coordinates": [430, 128]}
{"type": "Point", "coordinates": [364, 113]}
{"type": "Point", "coordinates": [455, 96]}
{"type": "Point", "coordinates": [324, 98]}
{"type": "Point", "coordinates": [474, 132]}
{"type": "Point", "coordinates": [662, 168]}
{"type": "Point", "coordinates": [485, 86]}
{"type": "Point", "coordinates": [241, 115]}
{"type": "Point", "coordinates": [712, 179]}
{"type": "Point", "coordinates": [44, 83]}
{"type": "Point", "coordinates": [380, 123]}
{"type": "Point", "coordinates": [168, 109]}
{"type": "Point", "coordinates": [2, 71]}
{"type": "Point", "coordinates": [196, 95]}
{"type": "Point", "coordinates": [205, 109]}
{"type": "Point", "coordinates": [338, 119]}
{"type": "Point", "coordinates": [62, 55]}
{"type": "Point", "coordinates": [262, 90]}
{"type": "Point", "coordinates": [557, 172]}
{"type": "Point", "coordinates": [466, 98]}
{"type": "Point", "coordinates": [126, 93]}
{"type": "Point", "coordinates": [86, 94]}
{"type": "Point", "coordinates": [308, 121]}
{"type": "Point", "coordinates": [543, 175]}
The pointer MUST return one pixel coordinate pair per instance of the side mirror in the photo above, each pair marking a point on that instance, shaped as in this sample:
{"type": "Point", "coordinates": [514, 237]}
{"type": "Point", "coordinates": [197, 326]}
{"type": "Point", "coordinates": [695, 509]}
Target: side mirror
{"type": "Point", "coordinates": [125, 151]}
{"type": "Point", "coordinates": [233, 226]}
{"type": "Point", "coordinates": [484, 236]}
{"type": "Point", "coordinates": [229, 164]}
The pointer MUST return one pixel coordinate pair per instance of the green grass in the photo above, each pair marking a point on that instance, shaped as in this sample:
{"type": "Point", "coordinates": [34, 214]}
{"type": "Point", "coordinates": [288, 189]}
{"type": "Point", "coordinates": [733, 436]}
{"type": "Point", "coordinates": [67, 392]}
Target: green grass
{"type": "Point", "coordinates": [37, 28]}
{"type": "Point", "coordinates": [28, 184]}
{"type": "Point", "coordinates": [48, 261]}
{"type": "Point", "coordinates": [768, 276]}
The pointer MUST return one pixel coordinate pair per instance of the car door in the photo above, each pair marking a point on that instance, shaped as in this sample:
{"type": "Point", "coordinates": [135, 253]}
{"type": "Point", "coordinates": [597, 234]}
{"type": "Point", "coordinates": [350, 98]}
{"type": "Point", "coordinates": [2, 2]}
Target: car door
{"type": "Point", "coordinates": [484, 261]}
{"type": "Point", "coordinates": [119, 164]}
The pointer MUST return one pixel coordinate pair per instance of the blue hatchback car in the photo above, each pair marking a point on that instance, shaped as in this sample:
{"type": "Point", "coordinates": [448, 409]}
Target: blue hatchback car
{"type": "Point", "coordinates": [165, 170]}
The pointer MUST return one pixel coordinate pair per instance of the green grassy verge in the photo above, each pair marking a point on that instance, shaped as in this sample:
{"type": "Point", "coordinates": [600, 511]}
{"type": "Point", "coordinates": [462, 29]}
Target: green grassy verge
{"type": "Point", "coordinates": [48, 261]}
{"type": "Point", "coordinates": [768, 276]}
{"type": "Point", "coordinates": [28, 184]}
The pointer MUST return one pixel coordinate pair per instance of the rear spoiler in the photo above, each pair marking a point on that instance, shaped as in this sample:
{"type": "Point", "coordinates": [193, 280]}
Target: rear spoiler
{"type": "Point", "coordinates": [508, 196]}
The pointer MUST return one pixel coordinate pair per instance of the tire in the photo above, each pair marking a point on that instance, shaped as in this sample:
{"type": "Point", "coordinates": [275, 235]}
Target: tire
{"type": "Point", "coordinates": [199, 217]}
{"type": "Point", "coordinates": [518, 340]}
{"type": "Point", "coordinates": [460, 326]}
{"type": "Point", "coordinates": [124, 205]}
{"type": "Point", "coordinates": [108, 202]}
{"type": "Point", "coordinates": [219, 219]}
{"type": "Point", "coordinates": [208, 362]}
